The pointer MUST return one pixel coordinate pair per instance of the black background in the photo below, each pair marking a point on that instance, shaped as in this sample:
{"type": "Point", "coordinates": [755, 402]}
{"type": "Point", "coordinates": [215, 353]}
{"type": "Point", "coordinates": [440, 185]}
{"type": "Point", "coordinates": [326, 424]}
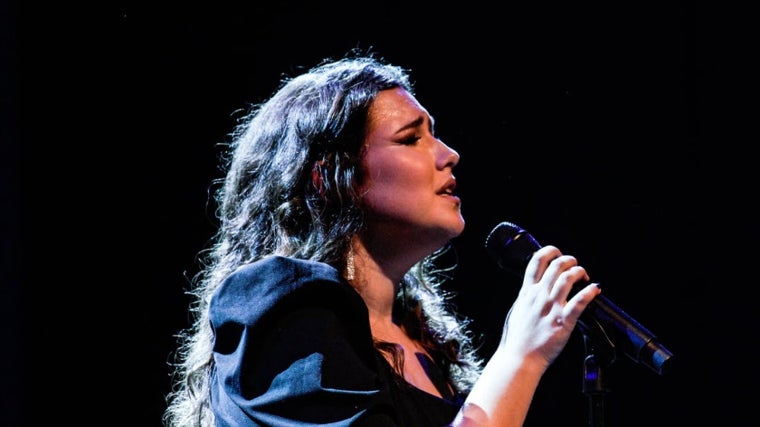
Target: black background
{"type": "Point", "coordinates": [617, 132]}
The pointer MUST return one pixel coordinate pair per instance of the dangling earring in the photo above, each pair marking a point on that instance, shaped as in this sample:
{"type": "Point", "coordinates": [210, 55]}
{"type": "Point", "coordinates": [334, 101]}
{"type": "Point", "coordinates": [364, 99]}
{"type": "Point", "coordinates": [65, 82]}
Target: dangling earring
{"type": "Point", "coordinates": [350, 270]}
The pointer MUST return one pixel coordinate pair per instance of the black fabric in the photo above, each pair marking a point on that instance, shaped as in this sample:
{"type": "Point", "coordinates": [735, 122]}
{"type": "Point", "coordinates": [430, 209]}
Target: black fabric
{"type": "Point", "coordinates": [292, 347]}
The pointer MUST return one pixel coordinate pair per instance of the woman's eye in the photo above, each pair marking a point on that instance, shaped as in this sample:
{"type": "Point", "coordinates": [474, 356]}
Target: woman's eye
{"type": "Point", "coordinates": [410, 140]}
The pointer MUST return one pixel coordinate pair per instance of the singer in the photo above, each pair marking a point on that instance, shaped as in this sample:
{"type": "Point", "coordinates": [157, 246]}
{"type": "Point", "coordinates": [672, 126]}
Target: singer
{"type": "Point", "coordinates": [319, 301]}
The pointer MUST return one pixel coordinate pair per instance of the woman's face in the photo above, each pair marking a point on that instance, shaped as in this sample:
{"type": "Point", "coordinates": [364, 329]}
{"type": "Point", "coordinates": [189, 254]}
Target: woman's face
{"type": "Point", "coordinates": [409, 188]}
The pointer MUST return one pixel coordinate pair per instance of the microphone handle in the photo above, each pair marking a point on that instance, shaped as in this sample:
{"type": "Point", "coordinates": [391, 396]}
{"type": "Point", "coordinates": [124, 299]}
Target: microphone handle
{"type": "Point", "coordinates": [628, 335]}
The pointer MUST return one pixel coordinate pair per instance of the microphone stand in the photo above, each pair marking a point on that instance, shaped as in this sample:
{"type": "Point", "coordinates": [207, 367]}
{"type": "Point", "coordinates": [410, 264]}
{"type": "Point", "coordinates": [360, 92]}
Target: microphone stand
{"type": "Point", "coordinates": [600, 353]}
{"type": "Point", "coordinates": [594, 384]}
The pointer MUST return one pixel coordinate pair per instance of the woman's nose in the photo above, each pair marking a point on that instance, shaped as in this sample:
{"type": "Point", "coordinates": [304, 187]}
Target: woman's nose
{"type": "Point", "coordinates": [449, 156]}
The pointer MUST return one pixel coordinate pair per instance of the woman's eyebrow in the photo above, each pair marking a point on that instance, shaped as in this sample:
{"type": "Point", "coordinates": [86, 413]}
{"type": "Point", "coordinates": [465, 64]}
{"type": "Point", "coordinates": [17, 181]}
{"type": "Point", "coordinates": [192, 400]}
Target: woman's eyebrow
{"type": "Point", "coordinates": [412, 124]}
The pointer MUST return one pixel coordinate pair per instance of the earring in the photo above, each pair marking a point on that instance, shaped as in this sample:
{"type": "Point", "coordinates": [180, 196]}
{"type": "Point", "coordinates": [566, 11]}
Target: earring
{"type": "Point", "coordinates": [350, 270]}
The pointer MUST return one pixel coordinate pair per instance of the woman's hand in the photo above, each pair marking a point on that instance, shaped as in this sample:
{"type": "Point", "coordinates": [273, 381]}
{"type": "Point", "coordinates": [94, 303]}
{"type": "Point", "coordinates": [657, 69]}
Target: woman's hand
{"type": "Point", "coordinates": [542, 317]}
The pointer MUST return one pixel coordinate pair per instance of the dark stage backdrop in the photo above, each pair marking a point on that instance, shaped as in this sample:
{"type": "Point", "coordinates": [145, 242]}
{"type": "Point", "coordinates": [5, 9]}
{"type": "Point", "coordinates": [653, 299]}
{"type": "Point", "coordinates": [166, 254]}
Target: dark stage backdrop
{"type": "Point", "coordinates": [609, 130]}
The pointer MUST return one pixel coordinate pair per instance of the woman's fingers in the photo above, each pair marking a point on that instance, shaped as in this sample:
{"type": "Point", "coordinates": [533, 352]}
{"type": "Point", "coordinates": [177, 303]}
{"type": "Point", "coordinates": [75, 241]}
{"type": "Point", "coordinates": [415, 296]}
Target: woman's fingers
{"type": "Point", "coordinates": [550, 277]}
{"type": "Point", "coordinates": [553, 270]}
{"type": "Point", "coordinates": [538, 264]}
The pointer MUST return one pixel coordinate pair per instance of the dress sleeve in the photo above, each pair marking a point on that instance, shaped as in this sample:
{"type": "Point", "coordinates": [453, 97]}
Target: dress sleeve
{"type": "Point", "coordinates": [292, 347]}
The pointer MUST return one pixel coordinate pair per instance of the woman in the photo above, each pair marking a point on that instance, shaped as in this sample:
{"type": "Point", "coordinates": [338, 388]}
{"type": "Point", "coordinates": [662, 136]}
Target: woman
{"type": "Point", "coordinates": [320, 301]}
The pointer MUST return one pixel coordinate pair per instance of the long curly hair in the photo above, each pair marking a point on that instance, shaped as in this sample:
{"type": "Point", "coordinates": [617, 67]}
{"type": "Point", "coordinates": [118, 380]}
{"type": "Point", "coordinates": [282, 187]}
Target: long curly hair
{"type": "Point", "coordinates": [267, 203]}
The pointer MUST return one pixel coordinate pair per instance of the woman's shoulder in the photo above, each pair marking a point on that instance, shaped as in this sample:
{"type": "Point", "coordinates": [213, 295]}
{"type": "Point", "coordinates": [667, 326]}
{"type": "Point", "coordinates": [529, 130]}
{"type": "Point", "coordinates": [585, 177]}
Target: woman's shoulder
{"type": "Point", "coordinates": [283, 269]}
{"type": "Point", "coordinates": [286, 330]}
{"type": "Point", "coordinates": [278, 282]}
{"type": "Point", "coordinates": [274, 274]}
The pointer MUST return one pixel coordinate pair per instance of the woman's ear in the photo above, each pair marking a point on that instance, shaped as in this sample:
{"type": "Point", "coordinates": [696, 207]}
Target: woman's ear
{"type": "Point", "coordinates": [316, 178]}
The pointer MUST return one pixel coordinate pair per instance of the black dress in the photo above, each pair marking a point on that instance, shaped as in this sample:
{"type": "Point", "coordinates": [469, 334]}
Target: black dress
{"type": "Point", "coordinates": [293, 347]}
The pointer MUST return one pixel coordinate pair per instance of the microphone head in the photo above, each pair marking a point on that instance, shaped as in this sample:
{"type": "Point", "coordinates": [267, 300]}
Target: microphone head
{"type": "Point", "coordinates": [511, 247]}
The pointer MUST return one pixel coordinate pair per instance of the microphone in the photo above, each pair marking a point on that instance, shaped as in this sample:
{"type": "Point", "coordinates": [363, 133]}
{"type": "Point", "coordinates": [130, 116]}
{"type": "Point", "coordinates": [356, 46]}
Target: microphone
{"type": "Point", "coordinates": [603, 322]}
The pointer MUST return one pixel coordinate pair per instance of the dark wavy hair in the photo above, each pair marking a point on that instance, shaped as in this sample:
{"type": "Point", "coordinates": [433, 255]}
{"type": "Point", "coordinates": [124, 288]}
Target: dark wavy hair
{"type": "Point", "coordinates": [267, 204]}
